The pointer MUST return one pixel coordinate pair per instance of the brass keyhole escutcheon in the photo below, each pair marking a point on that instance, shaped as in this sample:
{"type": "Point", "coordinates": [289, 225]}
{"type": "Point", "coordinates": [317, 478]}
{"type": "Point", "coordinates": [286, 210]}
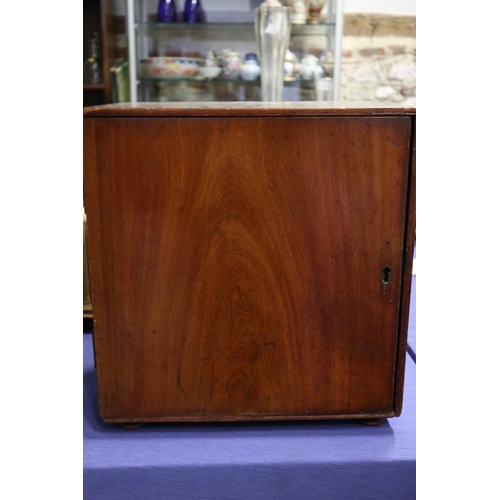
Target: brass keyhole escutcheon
{"type": "Point", "coordinates": [386, 275]}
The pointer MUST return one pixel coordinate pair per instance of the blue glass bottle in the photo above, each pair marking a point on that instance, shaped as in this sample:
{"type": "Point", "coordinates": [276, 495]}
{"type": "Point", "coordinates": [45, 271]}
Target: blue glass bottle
{"type": "Point", "coordinates": [167, 13]}
{"type": "Point", "coordinates": [193, 12]}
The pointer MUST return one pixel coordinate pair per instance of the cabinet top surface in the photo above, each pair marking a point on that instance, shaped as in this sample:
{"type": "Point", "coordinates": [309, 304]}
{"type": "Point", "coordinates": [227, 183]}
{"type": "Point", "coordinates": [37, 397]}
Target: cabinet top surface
{"type": "Point", "coordinates": [199, 109]}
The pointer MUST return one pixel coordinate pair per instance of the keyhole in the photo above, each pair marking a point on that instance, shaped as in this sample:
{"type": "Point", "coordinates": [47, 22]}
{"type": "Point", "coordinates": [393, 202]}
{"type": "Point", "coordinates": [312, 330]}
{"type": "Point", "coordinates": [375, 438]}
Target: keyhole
{"type": "Point", "coordinates": [386, 275]}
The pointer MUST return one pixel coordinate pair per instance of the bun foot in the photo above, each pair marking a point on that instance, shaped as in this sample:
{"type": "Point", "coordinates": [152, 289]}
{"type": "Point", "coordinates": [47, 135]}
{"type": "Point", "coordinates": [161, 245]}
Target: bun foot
{"type": "Point", "coordinates": [131, 427]}
{"type": "Point", "coordinates": [372, 422]}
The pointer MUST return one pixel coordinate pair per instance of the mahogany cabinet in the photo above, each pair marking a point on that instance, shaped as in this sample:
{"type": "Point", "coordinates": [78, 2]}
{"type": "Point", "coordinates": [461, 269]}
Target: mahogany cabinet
{"type": "Point", "coordinates": [250, 260]}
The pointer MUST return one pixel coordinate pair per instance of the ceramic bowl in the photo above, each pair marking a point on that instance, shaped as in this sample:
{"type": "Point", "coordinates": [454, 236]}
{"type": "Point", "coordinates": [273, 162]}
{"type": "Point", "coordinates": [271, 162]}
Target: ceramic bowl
{"type": "Point", "coordinates": [209, 71]}
{"type": "Point", "coordinates": [170, 67]}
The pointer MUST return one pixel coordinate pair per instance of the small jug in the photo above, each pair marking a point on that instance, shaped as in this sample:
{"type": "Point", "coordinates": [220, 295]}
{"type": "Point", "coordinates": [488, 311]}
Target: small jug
{"type": "Point", "coordinates": [250, 69]}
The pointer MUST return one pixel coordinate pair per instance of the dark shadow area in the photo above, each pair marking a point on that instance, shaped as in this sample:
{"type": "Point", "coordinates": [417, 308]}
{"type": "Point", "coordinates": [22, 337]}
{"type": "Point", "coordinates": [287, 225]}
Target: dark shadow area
{"type": "Point", "coordinates": [412, 354]}
{"type": "Point", "coordinates": [88, 325]}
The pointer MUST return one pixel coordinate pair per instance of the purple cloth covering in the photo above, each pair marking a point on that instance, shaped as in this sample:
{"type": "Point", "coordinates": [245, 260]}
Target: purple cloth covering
{"type": "Point", "coordinates": [269, 460]}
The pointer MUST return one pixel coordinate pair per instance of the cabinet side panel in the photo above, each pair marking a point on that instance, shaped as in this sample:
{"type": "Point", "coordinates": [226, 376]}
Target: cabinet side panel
{"type": "Point", "coordinates": [242, 265]}
{"type": "Point", "coordinates": [95, 249]}
{"type": "Point", "coordinates": [407, 275]}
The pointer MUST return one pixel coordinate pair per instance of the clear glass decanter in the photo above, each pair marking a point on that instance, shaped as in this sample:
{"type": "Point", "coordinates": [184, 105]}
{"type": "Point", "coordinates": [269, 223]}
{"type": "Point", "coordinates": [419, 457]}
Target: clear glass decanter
{"type": "Point", "coordinates": [272, 29]}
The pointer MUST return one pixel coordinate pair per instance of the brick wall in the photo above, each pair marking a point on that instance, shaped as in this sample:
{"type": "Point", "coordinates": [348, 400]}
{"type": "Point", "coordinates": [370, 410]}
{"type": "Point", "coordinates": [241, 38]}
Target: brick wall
{"type": "Point", "coordinates": [379, 58]}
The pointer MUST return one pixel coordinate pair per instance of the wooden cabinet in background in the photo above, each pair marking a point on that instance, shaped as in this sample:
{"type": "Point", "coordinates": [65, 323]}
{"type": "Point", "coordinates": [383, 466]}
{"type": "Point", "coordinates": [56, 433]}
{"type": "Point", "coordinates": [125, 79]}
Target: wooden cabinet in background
{"type": "Point", "coordinates": [94, 20]}
{"type": "Point", "coordinates": [250, 261]}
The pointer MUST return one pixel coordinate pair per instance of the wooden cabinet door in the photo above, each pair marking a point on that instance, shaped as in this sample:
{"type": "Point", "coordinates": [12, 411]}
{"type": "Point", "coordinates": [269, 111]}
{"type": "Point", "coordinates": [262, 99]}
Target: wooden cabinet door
{"type": "Point", "coordinates": [238, 264]}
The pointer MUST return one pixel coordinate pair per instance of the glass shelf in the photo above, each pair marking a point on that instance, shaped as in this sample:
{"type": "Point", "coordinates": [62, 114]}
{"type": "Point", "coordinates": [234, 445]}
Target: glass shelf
{"type": "Point", "coordinates": [223, 31]}
{"type": "Point", "coordinates": [217, 81]}
{"type": "Point", "coordinates": [150, 79]}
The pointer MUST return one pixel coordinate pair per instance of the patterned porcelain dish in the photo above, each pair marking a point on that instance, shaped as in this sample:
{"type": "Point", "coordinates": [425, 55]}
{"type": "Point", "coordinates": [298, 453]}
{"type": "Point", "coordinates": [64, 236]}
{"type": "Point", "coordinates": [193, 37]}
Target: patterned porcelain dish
{"type": "Point", "coordinates": [170, 67]}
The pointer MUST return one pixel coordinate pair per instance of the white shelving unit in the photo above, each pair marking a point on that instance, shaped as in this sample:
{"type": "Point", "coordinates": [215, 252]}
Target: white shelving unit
{"type": "Point", "coordinates": [143, 31]}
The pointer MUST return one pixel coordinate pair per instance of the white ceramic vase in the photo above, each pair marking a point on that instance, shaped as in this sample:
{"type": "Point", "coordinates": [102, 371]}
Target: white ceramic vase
{"type": "Point", "coordinates": [250, 70]}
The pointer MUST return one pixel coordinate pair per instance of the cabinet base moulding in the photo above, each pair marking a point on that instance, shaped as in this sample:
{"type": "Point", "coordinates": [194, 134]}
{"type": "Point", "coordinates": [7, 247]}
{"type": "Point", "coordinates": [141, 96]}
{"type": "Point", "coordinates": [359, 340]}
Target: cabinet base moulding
{"type": "Point", "coordinates": [372, 419]}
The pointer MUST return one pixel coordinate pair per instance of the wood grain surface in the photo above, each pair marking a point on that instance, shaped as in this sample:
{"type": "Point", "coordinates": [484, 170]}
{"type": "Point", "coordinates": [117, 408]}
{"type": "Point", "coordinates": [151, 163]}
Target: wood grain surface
{"type": "Point", "coordinates": [236, 264]}
{"type": "Point", "coordinates": [234, 109]}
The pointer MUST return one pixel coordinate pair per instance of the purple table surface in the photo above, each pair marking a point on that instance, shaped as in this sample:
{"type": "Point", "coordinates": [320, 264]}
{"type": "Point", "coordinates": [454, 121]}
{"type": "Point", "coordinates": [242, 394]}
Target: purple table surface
{"type": "Point", "coordinates": [263, 460]}
{"type": "Point", "coordinates": [412, 324]}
